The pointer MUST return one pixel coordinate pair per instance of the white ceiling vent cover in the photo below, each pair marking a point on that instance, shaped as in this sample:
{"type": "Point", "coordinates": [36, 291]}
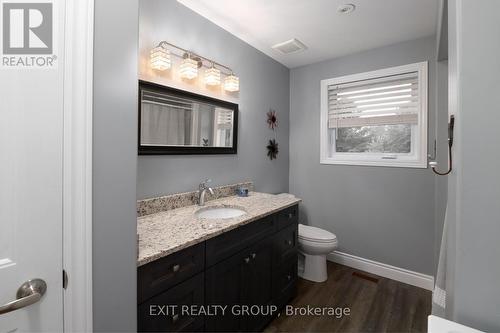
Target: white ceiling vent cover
{"type": "Point", "coordinates": [290, 46]}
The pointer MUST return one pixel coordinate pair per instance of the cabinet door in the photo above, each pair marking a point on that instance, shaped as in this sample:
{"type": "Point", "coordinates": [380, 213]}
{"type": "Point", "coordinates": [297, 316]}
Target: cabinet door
{"type": "Point", "coordinates": [225, 286]}
{"type": "Point", "coordinates": [240, 282]}
{"type": "Point", "coordinates": [259, 280]}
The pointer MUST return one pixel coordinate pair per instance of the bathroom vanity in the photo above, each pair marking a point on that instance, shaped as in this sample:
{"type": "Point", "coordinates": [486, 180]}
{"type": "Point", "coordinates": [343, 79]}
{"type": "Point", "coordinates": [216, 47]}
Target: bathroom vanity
{"type": "Point", "coordinates": [201, 274]}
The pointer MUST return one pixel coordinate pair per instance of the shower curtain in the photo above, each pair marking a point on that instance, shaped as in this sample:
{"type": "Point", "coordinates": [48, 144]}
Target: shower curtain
{"type": "Point", "coordinates": [162, 125]}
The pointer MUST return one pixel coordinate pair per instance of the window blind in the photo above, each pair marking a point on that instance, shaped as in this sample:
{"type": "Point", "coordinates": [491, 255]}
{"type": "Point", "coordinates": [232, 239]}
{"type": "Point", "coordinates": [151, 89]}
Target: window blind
{"type": "Point", "coordinates": [386, 100]}
{"type": "Point", "coordinates": [167, 100]}
{"type": "Point", "coordinates": [224, 118]}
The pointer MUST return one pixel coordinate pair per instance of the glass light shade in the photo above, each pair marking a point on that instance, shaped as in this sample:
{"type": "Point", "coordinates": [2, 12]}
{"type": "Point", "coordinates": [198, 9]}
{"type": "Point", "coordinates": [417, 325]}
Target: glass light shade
{"type": "Point", "coordinates": [160, 59]}
{"type": "Point", "coordinates": [212, 76]}
{"type": "Point", "coordinates": [232, 83]}
{"type": "Point", "coordinates": [189, 69]}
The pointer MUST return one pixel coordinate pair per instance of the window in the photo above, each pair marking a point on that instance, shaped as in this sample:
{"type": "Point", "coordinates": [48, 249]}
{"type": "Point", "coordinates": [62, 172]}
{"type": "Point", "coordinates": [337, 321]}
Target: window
{"type": "Point", "coordinates": [377, 118]}
{"type": "Point", "coordinates": [224, 126]}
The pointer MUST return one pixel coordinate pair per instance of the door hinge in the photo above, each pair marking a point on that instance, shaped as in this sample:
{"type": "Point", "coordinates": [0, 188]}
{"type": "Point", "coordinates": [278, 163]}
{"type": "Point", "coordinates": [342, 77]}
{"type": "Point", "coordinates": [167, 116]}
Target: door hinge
{"type": "Point", "coordinates": [65, 279]}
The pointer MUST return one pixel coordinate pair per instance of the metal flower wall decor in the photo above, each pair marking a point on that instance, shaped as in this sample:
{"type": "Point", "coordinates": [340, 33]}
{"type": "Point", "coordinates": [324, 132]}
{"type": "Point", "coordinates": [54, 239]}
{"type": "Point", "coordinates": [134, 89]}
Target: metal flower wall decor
{"type": "Point", "coordinates": [272, 149]}
{"type": "Point", "coordinates": [272, 122]}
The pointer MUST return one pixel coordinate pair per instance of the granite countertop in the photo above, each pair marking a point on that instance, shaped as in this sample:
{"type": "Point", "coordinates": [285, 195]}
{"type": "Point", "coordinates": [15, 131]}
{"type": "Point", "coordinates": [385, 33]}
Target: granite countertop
{"type": "Point", "coordinates": [166, 232]}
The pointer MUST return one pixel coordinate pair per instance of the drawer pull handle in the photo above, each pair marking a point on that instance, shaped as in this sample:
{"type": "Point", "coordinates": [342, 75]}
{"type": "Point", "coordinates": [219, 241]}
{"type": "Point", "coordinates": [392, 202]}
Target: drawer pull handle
{"type": "Point", "coordinates": [290, 215]}
{"type": "Point", "coordinates": [254, 255]}
{"type": "Point", "coordinates": [247, 260]}
{"type": "Point", "coordinates": [288, 242]}
{"type": "Point", "coordinates": [176, 268]}
{"type": "Point", "coordinates": [288, 277]}
{"type": "Point", "coordinates": [175, 318]}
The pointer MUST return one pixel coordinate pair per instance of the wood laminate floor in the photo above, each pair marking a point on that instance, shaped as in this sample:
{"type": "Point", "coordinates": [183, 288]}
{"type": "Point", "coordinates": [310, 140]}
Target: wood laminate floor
{"type": "Point", "coordinates": [376, 304]}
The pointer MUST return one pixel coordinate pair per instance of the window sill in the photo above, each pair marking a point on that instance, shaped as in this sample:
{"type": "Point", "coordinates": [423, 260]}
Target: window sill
{"type": "Point", "coordinates": [392, 163]}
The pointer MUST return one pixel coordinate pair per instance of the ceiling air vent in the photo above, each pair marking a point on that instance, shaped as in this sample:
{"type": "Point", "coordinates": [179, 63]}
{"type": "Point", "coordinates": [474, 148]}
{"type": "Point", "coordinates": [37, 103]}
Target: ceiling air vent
{"type": "Point", "coordinates": [290, 46]}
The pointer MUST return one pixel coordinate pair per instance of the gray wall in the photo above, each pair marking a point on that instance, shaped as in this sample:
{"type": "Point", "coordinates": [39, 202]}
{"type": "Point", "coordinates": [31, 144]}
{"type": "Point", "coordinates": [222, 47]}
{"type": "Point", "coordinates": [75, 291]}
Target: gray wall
{"type": "Point", "coordinates": [379, 213]}
{"type": "Point", "coordinates": [114, 166]}
{"type": "Point", "coordinates": [474, 68]}
{"type": "Point", "coordinates": [264, 84]}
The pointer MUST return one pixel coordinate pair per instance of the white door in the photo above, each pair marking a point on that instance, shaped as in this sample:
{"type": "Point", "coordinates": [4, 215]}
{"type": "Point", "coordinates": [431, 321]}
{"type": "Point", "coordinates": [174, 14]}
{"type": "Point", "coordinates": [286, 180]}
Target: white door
{"type": "Point", "coordinates": [31, 160]}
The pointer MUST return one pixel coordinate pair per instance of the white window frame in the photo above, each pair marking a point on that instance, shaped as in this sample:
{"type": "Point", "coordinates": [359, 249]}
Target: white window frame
{"type": "Point", "coordinates": [418, 159]}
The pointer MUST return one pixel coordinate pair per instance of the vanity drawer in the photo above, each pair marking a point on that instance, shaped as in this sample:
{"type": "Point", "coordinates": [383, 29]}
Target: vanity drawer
{"type": "Point", "coordinates": [285, 244]}
{"type": "Point", "coordinates": [167, 308]}
{"type": "Point", "coordinates": [288, 216]}
{"type": "Point", "coordinates": [285, 281]}
{"type": "Point", "coordinates": [162, 274]}
{"type": "Point", "coordinates": [231, 242]}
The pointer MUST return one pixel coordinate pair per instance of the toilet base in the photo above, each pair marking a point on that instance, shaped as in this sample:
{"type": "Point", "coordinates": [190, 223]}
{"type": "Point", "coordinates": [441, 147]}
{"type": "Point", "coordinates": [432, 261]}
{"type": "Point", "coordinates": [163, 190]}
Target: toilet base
{"type": "Point", "coordinates": [314, 268]}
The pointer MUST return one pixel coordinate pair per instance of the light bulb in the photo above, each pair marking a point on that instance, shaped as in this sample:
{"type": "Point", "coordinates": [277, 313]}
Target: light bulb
{"type": "Point", "coordinates": [232, 83]}
{"type": "Point", "coordinates": [189, 69]}
{"type": "Point", "coordinates": [212, 76]}
{"type": "Point", "coordinates": [160, 58]}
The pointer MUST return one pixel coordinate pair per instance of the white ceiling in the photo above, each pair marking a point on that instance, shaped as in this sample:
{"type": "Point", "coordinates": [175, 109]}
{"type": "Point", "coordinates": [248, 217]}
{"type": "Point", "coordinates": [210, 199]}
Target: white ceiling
{"type": "Point", "coordinates": [327, 34]}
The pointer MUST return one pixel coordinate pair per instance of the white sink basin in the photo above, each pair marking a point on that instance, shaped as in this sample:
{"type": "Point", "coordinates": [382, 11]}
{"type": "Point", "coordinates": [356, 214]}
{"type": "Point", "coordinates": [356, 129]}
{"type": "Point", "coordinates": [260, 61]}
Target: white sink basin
{"type": "Point", "coordinates": [218, 212]}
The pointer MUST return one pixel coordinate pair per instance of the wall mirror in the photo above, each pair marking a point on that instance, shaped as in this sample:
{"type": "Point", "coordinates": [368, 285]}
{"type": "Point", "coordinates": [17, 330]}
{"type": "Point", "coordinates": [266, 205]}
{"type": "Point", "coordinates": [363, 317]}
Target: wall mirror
{"type": "Point", "coordinates": [173, 121]}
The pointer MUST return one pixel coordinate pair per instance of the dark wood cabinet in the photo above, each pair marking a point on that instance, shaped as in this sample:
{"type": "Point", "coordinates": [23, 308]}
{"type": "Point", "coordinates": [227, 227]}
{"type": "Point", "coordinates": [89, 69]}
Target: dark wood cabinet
{"type": "Point", "coordinates": [259, 281]}
{"type": "Point", "coordinates": [166, 312]}
{"type": "Point", "coordinates": [285, 282]}
{"type": "Point", "coordinates": [238, 283]}
{"type": "Point", "coordinates": [288, 216]}
{"type": "Point", "coordinates": [231, 242]}
{"type": "Point", "coordinates": [226, 286]}
{"type": "Point", "coordinates": [250, 268]}
{"type": "Point", "coordinates": [285, 243]}
{"type": "Point", "coordinates": [168, 271]}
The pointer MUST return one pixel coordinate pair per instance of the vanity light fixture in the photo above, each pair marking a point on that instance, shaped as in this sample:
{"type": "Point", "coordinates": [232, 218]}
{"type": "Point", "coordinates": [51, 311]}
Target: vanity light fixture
{"type": "Point", "coordinates": [189, 68]}
{"type": "Point", "coordinates": [160, 58]}
{"type": "Point", "coordinates": [232, 83]}
{"type": "Point", "coordinates": [212, 76]}
{"type": "Point", "coordinates": [191, 62]}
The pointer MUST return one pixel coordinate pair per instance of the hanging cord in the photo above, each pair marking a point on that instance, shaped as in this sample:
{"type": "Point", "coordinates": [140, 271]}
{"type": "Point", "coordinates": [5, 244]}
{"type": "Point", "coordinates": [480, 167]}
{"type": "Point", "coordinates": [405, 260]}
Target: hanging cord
{"type": "Point", "coordinates": [433, 167]}
{"type": "Point", "coordinates": [450, 145]}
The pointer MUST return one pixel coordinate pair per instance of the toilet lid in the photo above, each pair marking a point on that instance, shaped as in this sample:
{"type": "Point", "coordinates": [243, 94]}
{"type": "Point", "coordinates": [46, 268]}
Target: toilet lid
{"type": "Point", "coordinates": [315, 234]}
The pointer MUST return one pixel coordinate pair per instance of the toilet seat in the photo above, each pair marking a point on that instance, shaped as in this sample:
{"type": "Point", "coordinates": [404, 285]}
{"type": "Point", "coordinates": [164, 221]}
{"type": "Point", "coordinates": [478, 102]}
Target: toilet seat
{"type": "Point", "coordinates": [316, 235]}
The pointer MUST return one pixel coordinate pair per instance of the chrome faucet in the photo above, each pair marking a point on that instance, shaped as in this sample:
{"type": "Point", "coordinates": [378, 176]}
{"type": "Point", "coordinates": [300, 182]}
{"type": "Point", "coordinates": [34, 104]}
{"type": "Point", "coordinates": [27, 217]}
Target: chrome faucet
{"type": "Point", "coordinates": [202, 190]}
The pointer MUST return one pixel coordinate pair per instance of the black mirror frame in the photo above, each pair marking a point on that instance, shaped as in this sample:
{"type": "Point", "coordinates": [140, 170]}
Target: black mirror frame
{"type": "Point", "coordinates": [176, 150]}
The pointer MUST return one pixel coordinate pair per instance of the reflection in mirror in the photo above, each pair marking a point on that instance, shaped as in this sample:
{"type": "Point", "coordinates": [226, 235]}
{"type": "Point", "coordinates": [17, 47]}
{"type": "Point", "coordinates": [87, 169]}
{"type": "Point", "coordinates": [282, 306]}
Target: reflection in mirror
{"type": "Point", "coordinates": [173, 121]}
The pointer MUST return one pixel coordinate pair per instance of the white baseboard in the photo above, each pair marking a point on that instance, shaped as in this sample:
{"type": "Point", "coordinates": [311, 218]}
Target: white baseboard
{"type": "Point", "coordinates": [391, 272]}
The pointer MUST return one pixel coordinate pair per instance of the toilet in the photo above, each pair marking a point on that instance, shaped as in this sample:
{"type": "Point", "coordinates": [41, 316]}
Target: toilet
{"type": "Point", "coordinates": [314, 245]}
